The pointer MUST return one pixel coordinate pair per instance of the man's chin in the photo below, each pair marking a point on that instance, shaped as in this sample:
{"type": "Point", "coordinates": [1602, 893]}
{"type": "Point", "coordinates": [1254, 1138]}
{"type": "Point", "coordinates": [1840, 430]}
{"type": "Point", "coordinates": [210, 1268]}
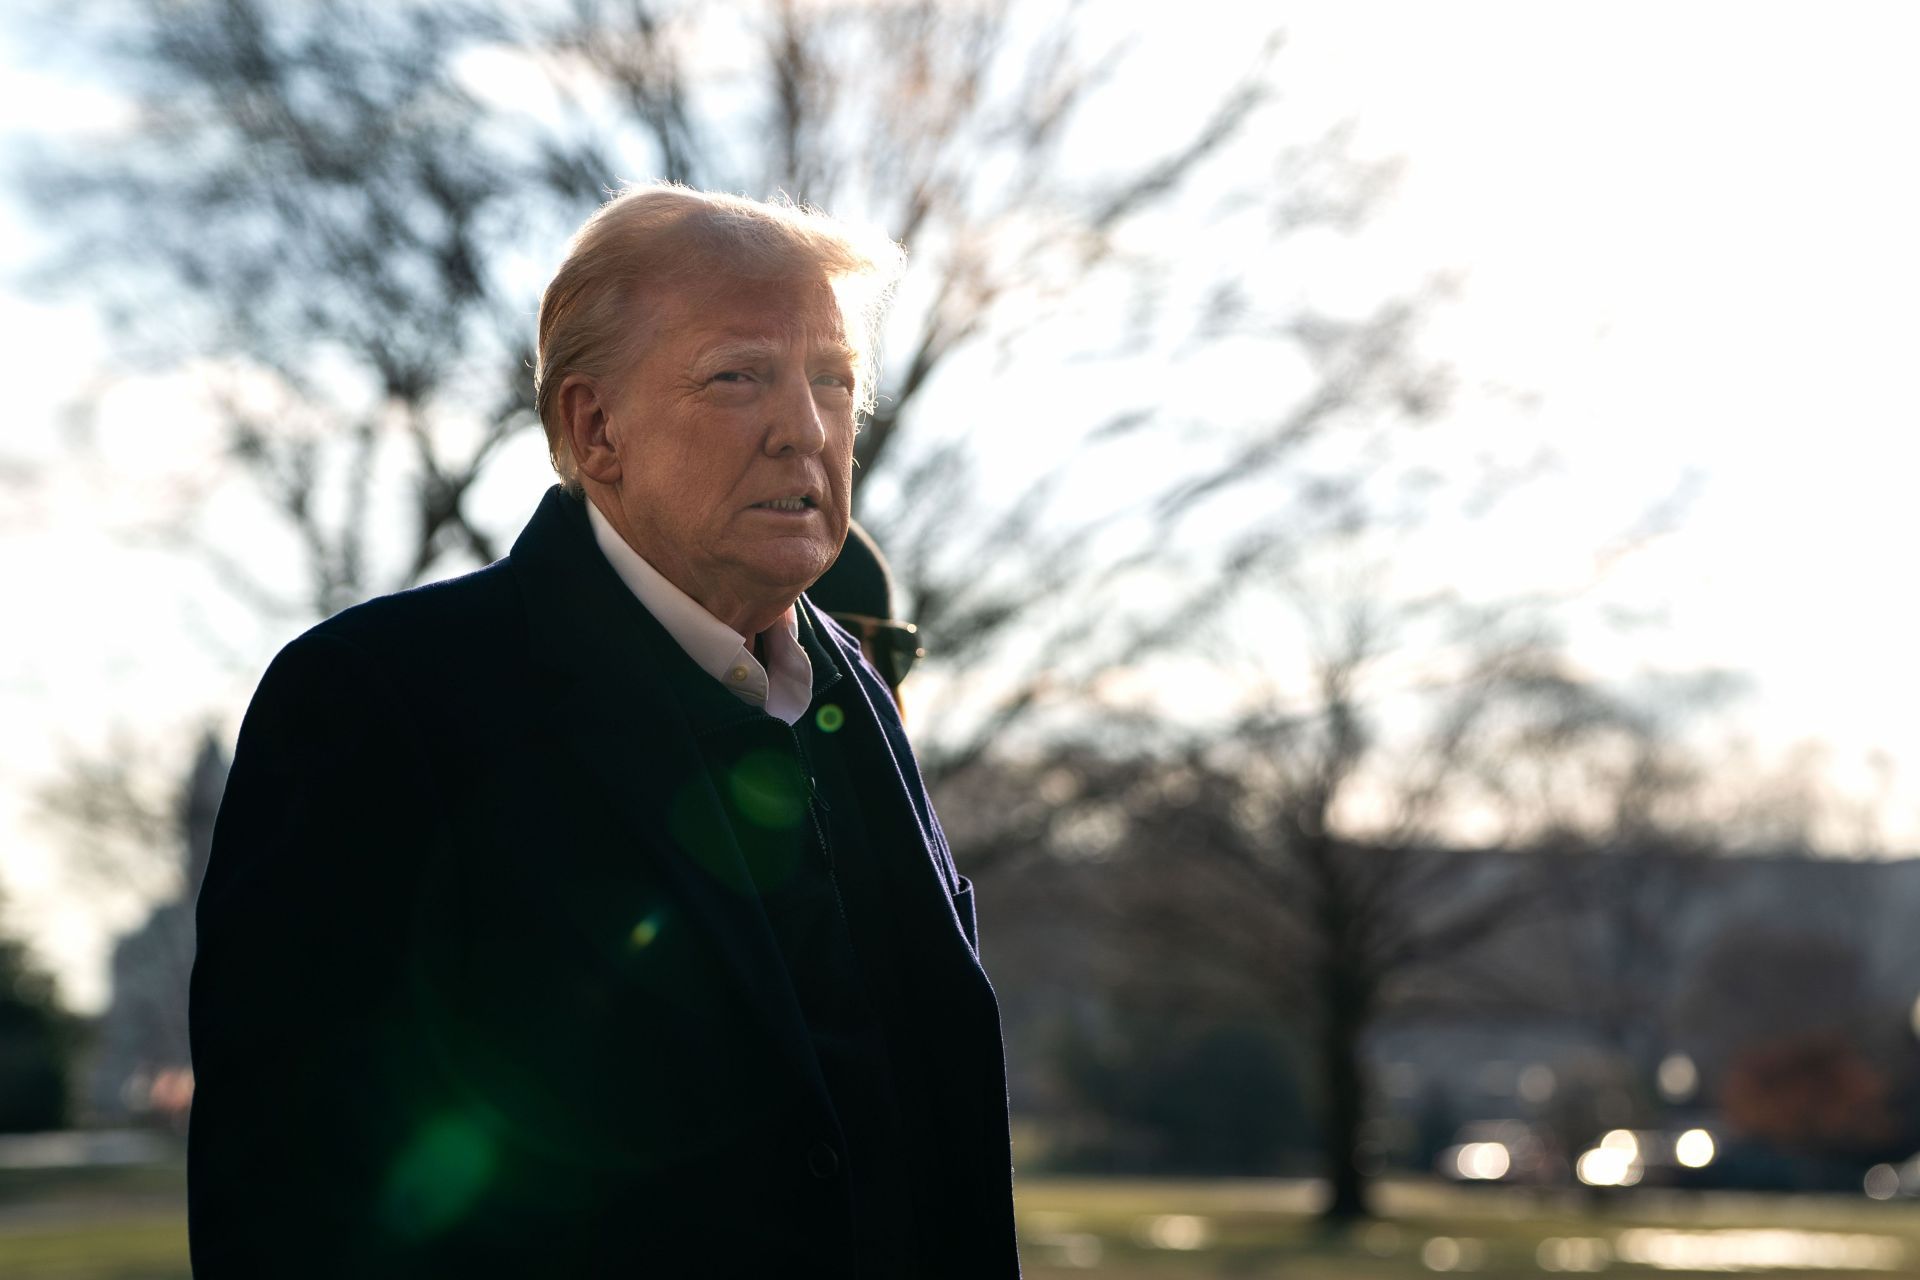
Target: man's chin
{"type": "Point", "coordinates": [786, 576]}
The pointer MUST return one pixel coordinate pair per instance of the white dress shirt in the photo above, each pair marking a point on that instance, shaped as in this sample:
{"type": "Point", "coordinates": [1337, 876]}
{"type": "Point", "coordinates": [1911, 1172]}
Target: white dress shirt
{"type": "Point", "coordinates": [716, 648]}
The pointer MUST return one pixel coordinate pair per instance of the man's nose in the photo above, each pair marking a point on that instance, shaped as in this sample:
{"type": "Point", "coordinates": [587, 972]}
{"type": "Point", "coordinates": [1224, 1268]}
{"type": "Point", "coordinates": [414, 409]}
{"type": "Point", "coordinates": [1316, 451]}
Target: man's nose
{"type": "Point", "coordinates": [795, 424]}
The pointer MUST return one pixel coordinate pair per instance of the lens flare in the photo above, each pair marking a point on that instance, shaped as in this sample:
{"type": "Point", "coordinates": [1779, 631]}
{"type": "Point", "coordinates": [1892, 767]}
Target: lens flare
{"type": "Point", "coordinates": [645, 932]}
{"type": "Point", "coordinates": [769, 790]}
{"type": "Point", "coordinates": [1882, 1182]}
{"type": "Point", "coordinates": [437, 1178]}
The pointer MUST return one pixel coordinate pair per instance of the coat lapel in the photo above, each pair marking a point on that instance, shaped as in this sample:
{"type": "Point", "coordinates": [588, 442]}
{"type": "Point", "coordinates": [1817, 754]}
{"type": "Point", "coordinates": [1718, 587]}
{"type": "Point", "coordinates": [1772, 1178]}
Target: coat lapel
{"type": "Point", "coordinates": [612, 714]}
{"type": "Point", "coordinates": [912, 899]}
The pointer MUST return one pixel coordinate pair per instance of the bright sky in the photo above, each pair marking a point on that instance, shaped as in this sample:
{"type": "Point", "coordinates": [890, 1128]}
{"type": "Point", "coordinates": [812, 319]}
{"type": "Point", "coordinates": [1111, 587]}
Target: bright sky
{"type": "Point", "coordinates": [1687, 229]}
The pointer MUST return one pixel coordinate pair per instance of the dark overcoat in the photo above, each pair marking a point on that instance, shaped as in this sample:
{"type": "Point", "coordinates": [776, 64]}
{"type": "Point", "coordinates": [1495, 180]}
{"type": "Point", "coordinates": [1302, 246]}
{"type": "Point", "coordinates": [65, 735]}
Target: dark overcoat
{"type": "Point", "coordinates": [483, 988]}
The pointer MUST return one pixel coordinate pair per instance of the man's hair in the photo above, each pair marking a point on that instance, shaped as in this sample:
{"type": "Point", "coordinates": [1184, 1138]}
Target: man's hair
{"type": "Point", "coordinates": [662, 236]}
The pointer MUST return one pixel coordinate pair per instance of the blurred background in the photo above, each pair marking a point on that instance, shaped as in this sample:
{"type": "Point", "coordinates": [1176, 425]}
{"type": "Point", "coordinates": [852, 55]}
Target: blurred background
{"type": "Point", "coordinates": [1405, 506]}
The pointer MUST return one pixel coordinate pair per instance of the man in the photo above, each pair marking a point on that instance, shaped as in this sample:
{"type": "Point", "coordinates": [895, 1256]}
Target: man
{"type": "Point", "coordinates": [586, 916]}
{"type": "Point", "coordinates": [857, 592]}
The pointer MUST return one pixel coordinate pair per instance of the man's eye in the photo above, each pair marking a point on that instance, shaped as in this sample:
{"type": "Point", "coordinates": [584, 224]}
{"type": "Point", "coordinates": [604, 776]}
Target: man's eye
{"type": "Point", "coordinates": [732, 375]}
{"type": "Point", "coordinates": [832, 380]}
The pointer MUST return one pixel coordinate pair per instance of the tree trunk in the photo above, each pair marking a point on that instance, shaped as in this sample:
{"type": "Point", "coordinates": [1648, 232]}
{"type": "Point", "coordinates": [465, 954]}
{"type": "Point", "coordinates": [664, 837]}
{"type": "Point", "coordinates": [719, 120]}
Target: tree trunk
{"type": "Point", "coordinates": [1343, 1079]}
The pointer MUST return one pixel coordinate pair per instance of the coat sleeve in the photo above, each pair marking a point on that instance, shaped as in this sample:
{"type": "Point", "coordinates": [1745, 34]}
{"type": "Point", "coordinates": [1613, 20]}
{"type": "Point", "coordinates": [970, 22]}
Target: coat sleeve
{"type": "Point", "coordinates": [307, 1121]}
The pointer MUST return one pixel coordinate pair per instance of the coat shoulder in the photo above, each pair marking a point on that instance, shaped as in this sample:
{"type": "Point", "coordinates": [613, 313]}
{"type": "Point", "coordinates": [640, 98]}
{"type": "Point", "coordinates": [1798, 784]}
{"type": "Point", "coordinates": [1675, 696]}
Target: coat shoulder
{"type": "Point", "coordinates": [436, 628]}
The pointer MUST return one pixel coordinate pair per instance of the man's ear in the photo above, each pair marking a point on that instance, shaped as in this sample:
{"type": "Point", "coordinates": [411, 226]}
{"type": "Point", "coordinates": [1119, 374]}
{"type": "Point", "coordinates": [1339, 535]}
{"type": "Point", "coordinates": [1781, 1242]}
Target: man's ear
{"type": "Point", "coordinates": [584, 417]}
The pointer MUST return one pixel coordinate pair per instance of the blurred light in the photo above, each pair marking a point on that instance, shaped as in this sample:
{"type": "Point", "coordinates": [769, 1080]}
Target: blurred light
{"type": "Point", "coordinates": [1572, 1253]}
{"type": "Point", "coordinates": [1694, 1148]}
{"type": "Point", "coordinates": [1916, 1015]}
{"type": "Point", "coordinates": [1759, 1250]}
{"type": "Point", "coordinates": [1621, 1140]}
{"type": "Point", "coordinates": [1678, 1078]}
{"type": "Point", "coordinates": [1444, 1253]}
{"type": "Point", "coordinates": [1537, 1083]}
{"type": "Point", "coordinates": [830, 718]}
{"type": "Point", "coordinates": [1177, 1231]}
{"type": "Point", "coordinates": [1882, 1182]}
{"type": "Point", "coordinates": [1483, 1161]}
{"type": "Point", "coordinates": [1608, 1167]}
{"type": "Point", "coordinates": [1077, 1249]}
{"type": "Point", "coordinates": [172, 1090]}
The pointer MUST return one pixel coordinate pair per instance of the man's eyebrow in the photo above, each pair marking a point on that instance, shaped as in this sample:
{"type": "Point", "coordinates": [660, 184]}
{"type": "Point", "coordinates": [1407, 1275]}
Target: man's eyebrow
{"type": "Point", "coordinates": [737, 351]}
{"type": "Point", "coordinates": [753, 350]}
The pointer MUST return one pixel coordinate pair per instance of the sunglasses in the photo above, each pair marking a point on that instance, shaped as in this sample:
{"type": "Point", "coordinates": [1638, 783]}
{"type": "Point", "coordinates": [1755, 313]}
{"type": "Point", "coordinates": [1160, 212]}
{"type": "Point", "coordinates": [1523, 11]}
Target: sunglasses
{"type": "Point", "coordinates": [891, 645]}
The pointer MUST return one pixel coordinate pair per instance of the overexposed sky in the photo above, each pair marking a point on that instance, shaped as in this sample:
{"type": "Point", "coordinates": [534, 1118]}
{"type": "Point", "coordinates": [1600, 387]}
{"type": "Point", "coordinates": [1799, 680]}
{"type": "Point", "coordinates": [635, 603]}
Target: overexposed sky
{"type": "Point", "coordinates": [1685, 230]}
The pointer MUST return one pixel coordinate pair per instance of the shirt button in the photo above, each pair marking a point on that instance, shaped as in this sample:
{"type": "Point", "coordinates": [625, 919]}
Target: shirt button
{"type": "Point", "coordinates": [822, 1160]}
{"type": "Point", "coordinates": [738, 674]}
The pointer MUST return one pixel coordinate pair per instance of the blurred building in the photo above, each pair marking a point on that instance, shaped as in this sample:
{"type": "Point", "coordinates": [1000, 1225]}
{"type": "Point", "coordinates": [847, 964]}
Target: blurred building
{"type": "Point", "coordinates": [1776, 998]}
{"type": "Point", "coordinates": [141, 1068]}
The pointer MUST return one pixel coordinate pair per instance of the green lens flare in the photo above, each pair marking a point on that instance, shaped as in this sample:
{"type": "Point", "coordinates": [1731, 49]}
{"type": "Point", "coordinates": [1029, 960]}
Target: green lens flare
{"type": "Point", "coordinates": [769, 790]}
{"type": "Point", "coordinates": [645, 932]}
{"type": "Point", "coordinates": [830, 718]}
{"type": "Point", "coordinates": [438, 1177]}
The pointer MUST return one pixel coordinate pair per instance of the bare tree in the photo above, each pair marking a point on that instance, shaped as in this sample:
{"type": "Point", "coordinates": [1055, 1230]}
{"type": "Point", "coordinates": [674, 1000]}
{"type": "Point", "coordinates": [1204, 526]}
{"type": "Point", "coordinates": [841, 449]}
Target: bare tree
{"type": "Point", "coordinates": [1313, 859]}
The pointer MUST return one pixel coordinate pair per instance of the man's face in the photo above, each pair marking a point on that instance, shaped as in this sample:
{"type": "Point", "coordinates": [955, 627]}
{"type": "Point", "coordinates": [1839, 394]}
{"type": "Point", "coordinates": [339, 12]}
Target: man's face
{"type": "Point", "coordinates": [734, 429]}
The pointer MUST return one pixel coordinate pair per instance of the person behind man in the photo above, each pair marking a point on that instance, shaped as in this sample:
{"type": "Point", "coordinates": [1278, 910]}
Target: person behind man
{"type": "Point", "coordinates": [857, 592]}
{"type": "Point", "coordinates": [586, 915]}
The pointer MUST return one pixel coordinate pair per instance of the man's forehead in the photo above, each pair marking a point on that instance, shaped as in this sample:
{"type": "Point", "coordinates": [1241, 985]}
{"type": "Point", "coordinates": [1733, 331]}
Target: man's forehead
{"type": "Point", "coordinates": [782, 299]}
{"type": "Point", "coordinates": [760, 342]}
{"type": "Point", "coordinates": [760, 311]}
{"type": "Point", "coordinates": [768, 332]}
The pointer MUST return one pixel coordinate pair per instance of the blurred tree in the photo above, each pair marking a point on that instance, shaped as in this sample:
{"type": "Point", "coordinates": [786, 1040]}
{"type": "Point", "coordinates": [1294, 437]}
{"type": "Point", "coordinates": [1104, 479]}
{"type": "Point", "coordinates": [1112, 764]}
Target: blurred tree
{"type": "Point", "coordinates": [1312, 858]}
{"type": "Point", "coordinates": [1164, 1092]}
{"type": "Point", "coordinates": [37, 1044]}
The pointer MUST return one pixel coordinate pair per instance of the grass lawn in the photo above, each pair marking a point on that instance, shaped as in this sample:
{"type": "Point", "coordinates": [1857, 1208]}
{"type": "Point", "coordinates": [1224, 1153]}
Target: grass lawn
{"type": "Point", "coordinates": [129, 1224]}
{"type": "Point", "coordinates": [94, 1224]}
{"type": "Point", "coordinates": [1187, 1230]}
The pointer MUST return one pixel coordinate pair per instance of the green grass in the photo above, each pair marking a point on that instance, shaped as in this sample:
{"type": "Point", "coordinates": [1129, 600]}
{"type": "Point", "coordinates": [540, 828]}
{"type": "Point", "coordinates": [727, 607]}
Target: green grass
{"type": "Point", "coordinates": [1128, 1229]}
{"type": "Point", "coordinates": [129, 1224]}
{"type": "Point", "coordinates": [129, 1248]}
{"type": "Point", "coordinates": [94, 1224]}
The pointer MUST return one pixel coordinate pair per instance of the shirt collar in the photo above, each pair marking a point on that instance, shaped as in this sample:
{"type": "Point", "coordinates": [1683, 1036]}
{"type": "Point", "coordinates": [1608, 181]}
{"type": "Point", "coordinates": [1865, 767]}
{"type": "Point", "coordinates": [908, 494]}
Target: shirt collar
{"type": "Point", "coordinates": [784, 686]}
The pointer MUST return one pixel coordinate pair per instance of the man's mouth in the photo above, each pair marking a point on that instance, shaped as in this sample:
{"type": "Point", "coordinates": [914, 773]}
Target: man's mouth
{"type": "Point", "coordinates": [785, 504]}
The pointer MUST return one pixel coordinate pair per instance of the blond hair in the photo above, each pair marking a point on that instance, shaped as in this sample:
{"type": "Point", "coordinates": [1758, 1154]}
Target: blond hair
{"type": "Point", "coordinates": [593, 314]}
